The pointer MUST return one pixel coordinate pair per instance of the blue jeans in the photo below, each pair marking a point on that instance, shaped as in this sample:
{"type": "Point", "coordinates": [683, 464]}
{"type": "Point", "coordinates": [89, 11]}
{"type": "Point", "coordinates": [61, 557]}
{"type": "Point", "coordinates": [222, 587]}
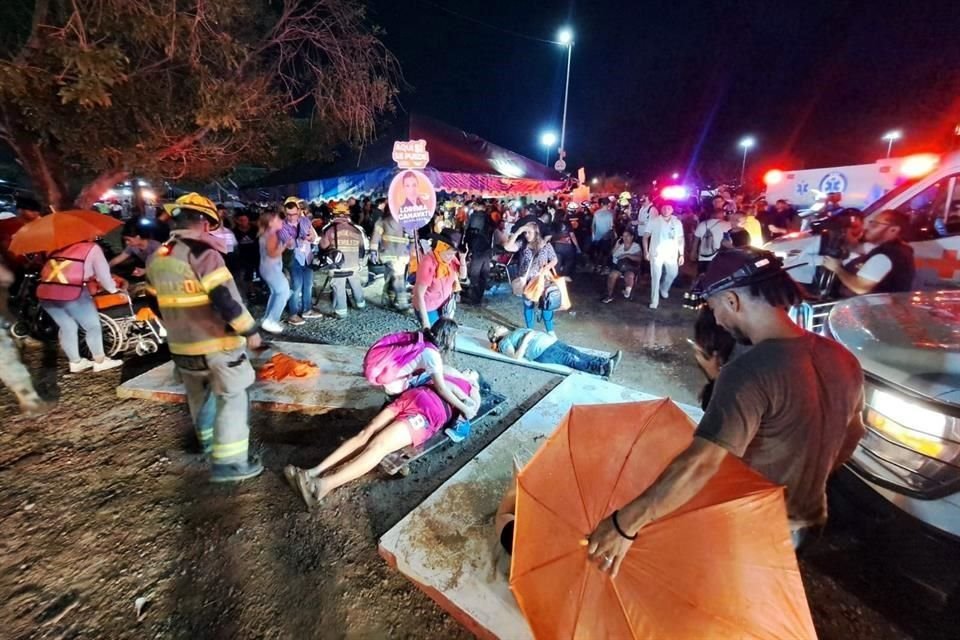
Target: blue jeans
{"type": "Point", "coordinates": [529, 309]}
{"type": "Point", "coordinates": [70, 318]}
{"type": "Point", "coordinates": [301, 289]}
{"type": "Point", "coordinates": [279, 291]}
{"type": "Point", "coordinates": [564, 354]}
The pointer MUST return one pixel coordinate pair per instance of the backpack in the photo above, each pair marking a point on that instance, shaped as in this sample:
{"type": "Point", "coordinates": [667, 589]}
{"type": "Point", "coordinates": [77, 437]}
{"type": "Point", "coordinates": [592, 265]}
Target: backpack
{"type": "Point", "coordinates": [708, 244]}
{"type": "Point", "coordinates": [388, 355]}
{"type": "Point", "coordinates": [552, 298]}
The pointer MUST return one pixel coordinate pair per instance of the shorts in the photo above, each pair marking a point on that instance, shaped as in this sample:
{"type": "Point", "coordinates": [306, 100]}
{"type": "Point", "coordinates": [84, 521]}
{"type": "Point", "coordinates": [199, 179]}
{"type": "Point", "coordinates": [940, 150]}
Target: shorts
{"type": "Point", "coordinates": [424, 411]}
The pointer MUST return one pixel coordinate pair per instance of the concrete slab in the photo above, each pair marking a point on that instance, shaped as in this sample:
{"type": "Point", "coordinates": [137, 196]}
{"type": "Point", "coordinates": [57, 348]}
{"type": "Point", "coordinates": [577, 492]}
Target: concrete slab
{"type": "Point", "coordinates": [474, 342]}
{"type": "Point", "coordinates": [446, 545]}
{"type": "Point", "coordinates": [340, 384]}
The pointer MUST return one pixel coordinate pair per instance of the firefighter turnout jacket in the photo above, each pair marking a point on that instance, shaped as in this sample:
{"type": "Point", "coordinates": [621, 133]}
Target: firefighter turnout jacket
{"type": "Point", "coordinates": [350, 239]}
{"type": "Point", "coordinates": [201, 307]}
{"type": "Point", "coordinates": [389, 239]}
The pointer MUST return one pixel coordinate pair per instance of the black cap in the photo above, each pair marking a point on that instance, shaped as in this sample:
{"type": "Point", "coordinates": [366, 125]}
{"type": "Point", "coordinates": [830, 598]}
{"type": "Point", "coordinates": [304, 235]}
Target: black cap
{"type": "Point", "coordinates": [732, 268]}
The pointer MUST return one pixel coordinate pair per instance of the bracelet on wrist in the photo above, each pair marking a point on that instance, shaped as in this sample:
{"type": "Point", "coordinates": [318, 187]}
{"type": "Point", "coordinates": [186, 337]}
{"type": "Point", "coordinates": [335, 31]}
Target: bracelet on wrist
{"type": "Point", "coordinates": [619, 529]}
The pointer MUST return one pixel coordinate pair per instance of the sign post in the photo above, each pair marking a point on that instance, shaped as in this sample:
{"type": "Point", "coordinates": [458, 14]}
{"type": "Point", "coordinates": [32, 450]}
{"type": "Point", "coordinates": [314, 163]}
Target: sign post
{"type": "Point", "coordinates": [411, 195]}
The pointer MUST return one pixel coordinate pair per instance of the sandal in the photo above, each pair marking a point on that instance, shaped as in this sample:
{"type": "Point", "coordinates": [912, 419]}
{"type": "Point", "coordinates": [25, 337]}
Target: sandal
{"type": "Point", "coordinates": [305, 486]}
{"type": "Point", "coordinates": [290, 473]}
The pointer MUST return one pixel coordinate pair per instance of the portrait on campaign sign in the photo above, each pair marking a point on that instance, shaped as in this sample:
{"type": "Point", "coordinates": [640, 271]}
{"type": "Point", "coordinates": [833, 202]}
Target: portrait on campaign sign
{"type": "Point", "coordinates": [412, 199]}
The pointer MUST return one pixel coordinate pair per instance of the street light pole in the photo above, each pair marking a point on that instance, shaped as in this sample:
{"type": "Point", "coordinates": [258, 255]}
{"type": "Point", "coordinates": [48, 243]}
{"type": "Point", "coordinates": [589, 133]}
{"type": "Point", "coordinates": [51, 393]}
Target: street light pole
{"type": "Point", "coordinates": [566, 98]}
{"type": "Point", "coordinates": [566, 39]}
{"type": "Point", "coordinates": [891, 137]}
{"type": "Point", "coordinates": [747, 144]}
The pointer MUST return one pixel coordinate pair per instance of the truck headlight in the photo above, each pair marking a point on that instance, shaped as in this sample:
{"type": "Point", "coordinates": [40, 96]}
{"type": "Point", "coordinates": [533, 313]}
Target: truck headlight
{"type": "Point", "coordinates": [919, 428]}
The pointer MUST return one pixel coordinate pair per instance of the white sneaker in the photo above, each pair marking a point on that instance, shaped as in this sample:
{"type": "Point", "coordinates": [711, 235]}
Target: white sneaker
{"type": "Point", "coordinates": [271, 326]}
{"type": "Point", "coordinates": [664, 294]}
{"type": "Point", "coordinates": [361, 304]}
{"type": "Point", "coordinates": [80, 365]}
{"type": "Point", "coordinates": [654, 305]}
{"type": "Point", "coordinates": [106, 363]}
{"type": "Point", "coordinates": [311, 314]}
{"type": "Point", "coordinates": [552, 334]}
{"type": "Point", "coordinates": [626, 292]}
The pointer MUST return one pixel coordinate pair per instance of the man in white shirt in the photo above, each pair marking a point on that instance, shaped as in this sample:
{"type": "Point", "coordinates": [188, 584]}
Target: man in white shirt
{"type": "Point", "coordinates": [602, 234]}
{"type": "Point", "coordinates": [709, 236]}
{"type": "Point", "coordinates": [664, 245]}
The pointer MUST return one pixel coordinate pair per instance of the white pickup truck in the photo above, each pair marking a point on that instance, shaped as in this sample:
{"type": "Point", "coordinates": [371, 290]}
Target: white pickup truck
{"type": "Point", "coordinates": [909, 347]}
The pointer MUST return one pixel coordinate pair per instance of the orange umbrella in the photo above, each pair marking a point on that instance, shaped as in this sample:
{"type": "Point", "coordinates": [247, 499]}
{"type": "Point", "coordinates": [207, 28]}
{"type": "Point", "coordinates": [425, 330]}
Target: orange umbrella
{"type": "Point", "coordinates": [59, 230]}
{"type": "Point", "coordinates": [721, 566]}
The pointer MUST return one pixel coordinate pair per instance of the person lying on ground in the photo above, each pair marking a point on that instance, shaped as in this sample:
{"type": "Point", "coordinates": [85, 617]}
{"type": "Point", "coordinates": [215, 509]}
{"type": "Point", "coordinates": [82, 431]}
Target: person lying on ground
{"type": "Point", "coordinates": [411, 419]}
{"type": "Point", "coordinates": [538, 346]}
{"type": "Point", "coordinates": [407, 359]}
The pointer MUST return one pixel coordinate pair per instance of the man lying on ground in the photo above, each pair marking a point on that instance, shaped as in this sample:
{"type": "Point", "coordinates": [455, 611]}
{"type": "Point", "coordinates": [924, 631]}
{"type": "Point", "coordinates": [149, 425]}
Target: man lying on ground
{"type": "Point", "coordinates": [411, 419]}
{"type": "Point", "coordinates": [538, 346]}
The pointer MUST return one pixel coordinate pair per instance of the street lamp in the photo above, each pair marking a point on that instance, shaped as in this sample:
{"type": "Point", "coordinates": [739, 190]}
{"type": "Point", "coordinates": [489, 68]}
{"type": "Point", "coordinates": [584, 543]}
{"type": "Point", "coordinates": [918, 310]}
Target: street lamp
{"type": "Point", "coordinates": [890, 137]}
{"type": "Point", "coordinates": [747, 143]}
{"type": "Point", "coordinates": [675, 175]}
{"type": "Point", "coordinates": [565, 38]}
{"type": "Point", "coordinates": [549, 141]}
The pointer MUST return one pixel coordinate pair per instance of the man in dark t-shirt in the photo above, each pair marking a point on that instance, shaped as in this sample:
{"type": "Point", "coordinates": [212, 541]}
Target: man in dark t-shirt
{"type": "Point", "coordinates": [790, 407]}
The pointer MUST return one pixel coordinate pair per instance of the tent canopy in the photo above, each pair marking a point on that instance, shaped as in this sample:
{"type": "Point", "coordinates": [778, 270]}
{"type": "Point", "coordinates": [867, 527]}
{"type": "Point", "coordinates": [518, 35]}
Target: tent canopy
{"type": "Point", "coordinates": [459, 161]}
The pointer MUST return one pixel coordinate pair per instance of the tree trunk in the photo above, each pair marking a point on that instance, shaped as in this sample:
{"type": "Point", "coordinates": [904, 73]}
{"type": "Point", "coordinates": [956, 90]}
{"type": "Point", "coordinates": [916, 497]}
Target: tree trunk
{"type": "Point", "coordinates": [45, 175]}
{"type": "Point", "coordinates": [96, 187]}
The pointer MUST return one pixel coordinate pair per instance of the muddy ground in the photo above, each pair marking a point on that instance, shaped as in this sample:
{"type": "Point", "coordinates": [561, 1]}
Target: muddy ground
{"type": "Point", "coordinates": [100, 505]}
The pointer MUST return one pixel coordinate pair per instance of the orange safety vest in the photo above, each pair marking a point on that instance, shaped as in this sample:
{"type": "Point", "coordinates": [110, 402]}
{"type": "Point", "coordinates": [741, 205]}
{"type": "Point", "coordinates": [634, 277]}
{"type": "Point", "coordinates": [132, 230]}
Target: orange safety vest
{"type": "Point", "coordinates": [61, 278]}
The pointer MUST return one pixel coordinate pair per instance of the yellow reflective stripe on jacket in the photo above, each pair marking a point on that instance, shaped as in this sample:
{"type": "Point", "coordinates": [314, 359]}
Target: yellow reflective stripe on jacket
{"type": "Point", "coordinates": [243, 323]}
{"type": "Point", "coordinates": [183, 300]}
{"type": "Point", "coordinates": [395, 238]}
{"type": "Point", "coordinates": [215, 278]}
{"type": "Point", "coordinates": [203, 347]}
{"type": "Point", "coordinates": [230, 449]}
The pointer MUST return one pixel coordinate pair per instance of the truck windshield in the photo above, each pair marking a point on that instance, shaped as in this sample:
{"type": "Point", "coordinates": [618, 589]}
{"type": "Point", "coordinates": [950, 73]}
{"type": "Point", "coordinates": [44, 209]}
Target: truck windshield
{"type": "Point", "coordinates": [881, 203]}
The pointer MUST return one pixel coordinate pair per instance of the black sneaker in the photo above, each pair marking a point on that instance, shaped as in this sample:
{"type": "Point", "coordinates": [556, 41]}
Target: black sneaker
{"type": "Point", "coordinates": [237, 471]}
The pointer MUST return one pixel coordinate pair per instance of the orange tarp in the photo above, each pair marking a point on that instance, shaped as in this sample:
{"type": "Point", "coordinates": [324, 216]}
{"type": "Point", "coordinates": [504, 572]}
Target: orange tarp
{"type": "Point", "coordinates": [282, 366]}
{"type": "Point", "coordinates": [721, 566]}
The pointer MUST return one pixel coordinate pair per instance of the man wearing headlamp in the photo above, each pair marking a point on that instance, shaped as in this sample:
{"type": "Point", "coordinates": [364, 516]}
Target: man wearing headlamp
{"type": "Point", "coordinates": [790, 407]}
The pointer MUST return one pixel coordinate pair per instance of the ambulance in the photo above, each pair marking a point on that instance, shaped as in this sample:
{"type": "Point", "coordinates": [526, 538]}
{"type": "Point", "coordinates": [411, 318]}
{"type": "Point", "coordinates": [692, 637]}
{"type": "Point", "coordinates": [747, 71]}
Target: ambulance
{"type": "Point", "coordinates": [858, 185]}
{"type": "Point", "coordinates": [927, 188]}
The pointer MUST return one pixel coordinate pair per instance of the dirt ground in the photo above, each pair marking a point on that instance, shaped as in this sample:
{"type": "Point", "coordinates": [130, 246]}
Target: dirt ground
{"type": "Point", "coordinates": [100, 505]}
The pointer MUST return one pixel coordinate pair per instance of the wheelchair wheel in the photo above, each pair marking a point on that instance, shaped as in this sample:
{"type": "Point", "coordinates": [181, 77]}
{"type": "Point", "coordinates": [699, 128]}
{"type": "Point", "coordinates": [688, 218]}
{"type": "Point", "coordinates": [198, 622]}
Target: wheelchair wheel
{"type": "Point", "coordinates": [113, 338]}
{"type": "Point", "coordinates": [146, 347]}
{"type": "Point", "coordinates": [20, 330]}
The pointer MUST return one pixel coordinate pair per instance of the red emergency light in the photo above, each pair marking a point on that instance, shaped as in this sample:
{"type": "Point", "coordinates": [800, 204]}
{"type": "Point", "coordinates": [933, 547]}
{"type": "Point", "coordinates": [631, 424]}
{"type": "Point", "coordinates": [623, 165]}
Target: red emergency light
{"type": "Point", "coordinates": [919, 164]}
{"type": "Point", "coordinates": [772, 177]}
{"type": "Point", "coordinates": [675, 192]}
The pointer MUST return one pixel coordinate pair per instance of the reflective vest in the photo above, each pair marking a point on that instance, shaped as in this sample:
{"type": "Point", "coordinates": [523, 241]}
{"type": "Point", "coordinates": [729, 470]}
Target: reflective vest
{"type": "Point", "coordinates": [61, 278]}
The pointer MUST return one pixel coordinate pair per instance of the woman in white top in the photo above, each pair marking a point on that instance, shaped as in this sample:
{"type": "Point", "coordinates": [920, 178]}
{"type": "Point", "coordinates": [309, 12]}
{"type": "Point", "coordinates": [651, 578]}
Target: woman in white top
{"type": "Point", "coordinates": [271, 270]}
{"type": "Point", "coordinates": [664, 242]}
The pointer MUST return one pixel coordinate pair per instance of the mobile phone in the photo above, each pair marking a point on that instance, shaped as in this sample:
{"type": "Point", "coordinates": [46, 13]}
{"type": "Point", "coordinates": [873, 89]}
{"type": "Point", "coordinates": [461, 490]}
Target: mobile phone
{"type": "Point", "coordinates": [692, 343]}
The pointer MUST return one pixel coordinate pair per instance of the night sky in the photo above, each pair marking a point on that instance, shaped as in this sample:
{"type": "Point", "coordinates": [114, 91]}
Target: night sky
{"type": "Point", "coordinates": [659, 86]}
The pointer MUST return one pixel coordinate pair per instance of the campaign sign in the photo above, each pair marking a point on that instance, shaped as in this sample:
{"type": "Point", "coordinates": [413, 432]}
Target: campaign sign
{"type": "Point", "coordinates": [412, 199]}
{"type": "Point", "coordinates": [411, 154]}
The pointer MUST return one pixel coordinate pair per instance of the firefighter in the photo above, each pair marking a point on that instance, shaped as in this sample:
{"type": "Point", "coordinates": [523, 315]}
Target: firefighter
{"type": "Point", "coordinates": [12, 372]}
{"type": "Point", "coordinates": [208, 329]}
{"type": "Point", "coordinates": [347, 238]}
{"type": "Point", "coordinates": [391, 247]}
